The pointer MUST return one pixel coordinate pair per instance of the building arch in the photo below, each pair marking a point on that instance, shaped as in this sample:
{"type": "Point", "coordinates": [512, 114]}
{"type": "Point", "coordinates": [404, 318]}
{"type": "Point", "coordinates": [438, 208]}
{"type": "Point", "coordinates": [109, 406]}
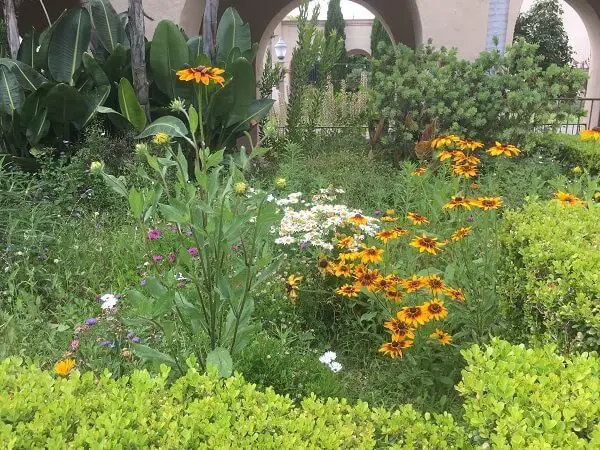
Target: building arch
{"type": "Point", "coordinates": [358, 52]}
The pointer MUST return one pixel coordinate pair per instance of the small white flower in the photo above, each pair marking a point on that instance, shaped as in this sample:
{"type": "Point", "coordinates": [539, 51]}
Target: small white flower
{"type": "Point", "coordinates": [56, 261]}
{"type": "Point", "coordinates": [335, 366]}
{"type": "Point", "coordinates": [19, 253]}
{"type": "Point", "coordinates": [328, 357]}
{"type": "Point", "coordinates": [109, 301]}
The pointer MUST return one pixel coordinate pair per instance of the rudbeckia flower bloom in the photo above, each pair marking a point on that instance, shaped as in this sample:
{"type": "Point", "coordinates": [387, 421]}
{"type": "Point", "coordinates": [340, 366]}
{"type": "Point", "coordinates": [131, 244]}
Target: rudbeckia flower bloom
{"type": "Point", "coordinates": [427, 244]}
{"type": "Point", "coordinates": [291, 286]}
{"type": "Point", "coordinates": [436, 309]}
{"type": "Point", "coordinates": [434, 284]}
{"type": "Point", "coordinates": [566, 198]}
{"type": "Point", "coordinates": [64, 367]}
{"type": "Point", "coordinates": [400, 329]}
{"type": "Point", "coordinates": [366, 278]}
{"type": "Point", "coordinates": [393, 295]}
{"type": "Point", "coordinates": [417, 219]}
{"type": "Point", "coordinates": [348, 290]}
{"type": "Point", "coordinates": [442, 336]}
{"type": "Point", "coordinates": [487, 203]}
{"type": "Point", "coordinates": [469, 144]}
{"type": "Point", "coordinates": [371, 255]}
{"type": "Point", "coordinates": [455, 294]}
{"type": "Point", "coordinates": [358, 219]}
{"type": "Point", "coordinates": [419, 171]}
{"type": "Point", "coordinates": [202, 74]}
{"type": "Point", "coordinates": [343, 270]}
{"type": "Point", "coordinates": [589, 135]}
{"type": "Point", "coordinates": [413, 315]}
{"type": "Point", "coordinates": [444, 155]}
{"type": "Point", "coordinates": [414, 284]}
{"type": "Point", "coordinates": [461, 233]}
{"type": "Point", "coordinates": [386, 235]}
{"type": "Point", "coordinates": [450, 140]}
{"type": "Point", "coordinates": [394, 349]}
{"type": "Point", "coordinates": [464, 170]}
{"type": "Point", "coordinates": [458, 200]}
{"type": "Point", "coordinates": [345, 242]}
{"type": "Point", "coordinates": [506, 150]}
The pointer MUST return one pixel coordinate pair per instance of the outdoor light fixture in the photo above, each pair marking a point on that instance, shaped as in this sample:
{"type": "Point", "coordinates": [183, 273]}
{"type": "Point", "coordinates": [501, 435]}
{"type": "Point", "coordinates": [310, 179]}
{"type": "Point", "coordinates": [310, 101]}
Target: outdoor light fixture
{"type": "Point", "coordinates": [280, 49]}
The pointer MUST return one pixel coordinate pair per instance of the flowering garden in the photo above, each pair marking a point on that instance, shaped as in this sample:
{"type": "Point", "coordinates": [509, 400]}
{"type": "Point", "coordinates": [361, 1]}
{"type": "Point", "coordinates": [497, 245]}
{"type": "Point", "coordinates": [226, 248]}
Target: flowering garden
{"type": "Point", "coordinates": [164, 285]}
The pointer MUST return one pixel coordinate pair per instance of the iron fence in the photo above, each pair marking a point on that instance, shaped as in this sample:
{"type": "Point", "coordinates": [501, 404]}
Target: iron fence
{"type": "Point", "coordinates": [574, 115]}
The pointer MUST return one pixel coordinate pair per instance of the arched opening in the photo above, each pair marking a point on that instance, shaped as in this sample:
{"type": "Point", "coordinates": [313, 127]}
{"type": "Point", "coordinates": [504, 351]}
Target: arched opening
{"type": "Point", "coordinates": [588, 13]}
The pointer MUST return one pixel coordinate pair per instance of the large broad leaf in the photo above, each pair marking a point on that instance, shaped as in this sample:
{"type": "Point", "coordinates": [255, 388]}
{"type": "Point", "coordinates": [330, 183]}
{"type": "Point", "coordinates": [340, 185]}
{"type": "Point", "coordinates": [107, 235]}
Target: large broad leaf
{"type": "Point", "coordinates": [221, 360]}
{"type": "Point", "coordinates": [232, 32]}
{"type": "Point", "coordinates": [197, 56]}
{"type": "Point", "coordinates": [12, 95]}
{"type": "Point", "coordinates": [94, 70]}
{"type": "Point", "coordinates": [28, 47]}
{"type": "Point", "coordinates": [130, 106]}
{"type": "Point", "coordinates": [117, 119]}
{"type": "Point", "coordinates": [93, 100]}
{"type": "Point", "coordinates": [38, 127]}
{"type": "Point", "coordinates": [244, 90]}
{"type": "Point", "coordinates": [151, 355]}
{"type": "Point", "coordinates": [109, 29]}
{"type": "Point", "coordinates": [169, 125]}
{"type": "Point", "coordinates": [114, 65]}
{"type": "Point", "coordinates": [69, 40]}
{"type": "Point", "coordinates": [168, 54]}
{"type": "Point", "coordinates": [29, 78]}
{"type": "Point", "coordinates": [34, 103]}
{"type": "Point", "coordinates": [65, 104]}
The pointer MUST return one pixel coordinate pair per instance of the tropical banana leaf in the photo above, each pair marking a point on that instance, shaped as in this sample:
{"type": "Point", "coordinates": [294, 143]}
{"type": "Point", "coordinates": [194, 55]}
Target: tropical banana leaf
{"type": "Point", "coordinates": [232, 32]}
{"type": "Point", "coordinates": [94, 70]}
{"type": "Point", "coordinates": [197, 56]}
{"type": "Point", "coordinates": [12, 95]}
{"type": "Point", "coordinates": [169, 125]}
{"type": "Point", "coordinates": [29, 78]}
{"type": "Point", "coordinates": [93, 100]}
{"type": "Point", "coordinates": [28, 47]}
{"type": "Point", "coordinates": [168, 54]}
{"type": "Point", "coordinates": [130, 106]}
{"type": "Point", "coordinates": [115, 63]}
{"type": "Point", "coordinates": [38, 127]}
{"type": "Point", "coordinates": [244, 90]}
{"type": "Point", "coordinates": [70, 38]}
{"type": "Point", "coordinates": [65, 104]}
{"type": "Point", "coordinates": [109, 29]}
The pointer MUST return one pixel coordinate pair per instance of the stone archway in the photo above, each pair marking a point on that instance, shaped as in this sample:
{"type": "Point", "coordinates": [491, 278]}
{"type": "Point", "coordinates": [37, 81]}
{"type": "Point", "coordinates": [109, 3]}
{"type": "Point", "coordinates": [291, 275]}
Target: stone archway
{"type": "Point", "coordinates": [589, 12]}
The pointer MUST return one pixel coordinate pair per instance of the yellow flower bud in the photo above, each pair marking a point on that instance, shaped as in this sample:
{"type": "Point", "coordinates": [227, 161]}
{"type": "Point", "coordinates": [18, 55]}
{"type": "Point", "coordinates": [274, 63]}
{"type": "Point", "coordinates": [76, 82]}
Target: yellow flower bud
{"type": "Point", "coordinates": [96, 167]}
{"type": "Point", "coordinates": [240, 188]}
{"type": "Point", "coordinates": [577, 169]}
{"type": "Point", "coordinates": [280, 183]}
{"type": "Point", "coordinates": [160, 138]}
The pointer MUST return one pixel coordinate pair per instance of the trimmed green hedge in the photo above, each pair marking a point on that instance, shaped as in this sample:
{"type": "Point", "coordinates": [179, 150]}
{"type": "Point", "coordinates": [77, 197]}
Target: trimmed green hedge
{"type": "Point", "coordinates": [551, 274]}
{"type": "Point", "coordinates": [514, 398]}
{"type": "Point", "coordinates": [585, 154]}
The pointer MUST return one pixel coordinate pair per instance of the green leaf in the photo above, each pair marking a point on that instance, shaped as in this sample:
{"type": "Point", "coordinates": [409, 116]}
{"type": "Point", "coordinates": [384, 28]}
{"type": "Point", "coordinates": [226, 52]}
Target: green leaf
{"type": "Point", "coordinates": [221, 359]}
{"type": "Point", "coordinates": [38, 127]}
{"type": "Point", "coordinates": [109, 29]}
{"type": "Point", "coordinates": [94, 70]}
{"type": "Point", "coordinates": [244, 90]}
{"type": "Point", "coordinates": [193, 119]}
{"type": "Point", "coordinates": [115, 117]}
{"type": "Point", "coordinates": [116, 62]}
{"type": "Point", "coordinates": [65, 104]}
{"type": "Point", "coordinates": [136, 202]}
{"type": "Point", "coordinates": [149, 354]}
{"type": "Point", "coordinates": [197, 57]}
{"type": "Point", "coordinates": [29, 78]}
{"type": "Point", "coordinates": [28, 47]}
{"type": "Point", "coordinates": [115, 184]}
{"type": "Point", "coordinates": [11, 93]}
{"type": "Point", "coordinates": [168, 54]}
{"type": "Point", "coordinates": [130, 106]}
{"type": "Point", "coordinates": [93, 100]}
{"type": "Point", "coordinates": [169, 125]}
{"type": "Point", "coordinates": [172, 214]}
{"type": "Point", "coordinates": [232, 33]}
{"type": "Point", "coordinates": [70, 39]}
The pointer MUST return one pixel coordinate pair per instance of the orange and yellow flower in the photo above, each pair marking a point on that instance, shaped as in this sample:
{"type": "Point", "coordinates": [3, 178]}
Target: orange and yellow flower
{"type": "Point", "coordinates": [566, 198]}
{"type": "Point", "coordinates": [414, 284]}
{"type": "Point", "coordinates": [506, 150]}
{"type": "Point", "coordinates": [441, 336]}
{"type": "Point", "coordinates": [366, 278]}
{"type": "Point", "coordinates": [427, 244]}
{"type": "Point", "coordinates": [202, 74]}
{"type": "Point", "coordinates": [450, 140]}
{"type": "Point", "coordinates": [435, 309]}
{"type": "Point", "coordinates": [470, 144]}
{"type": "Point", "coordinates": [458, 200]}
{"type": "Point", "coordinates": [464, 170]}
{"type": "Point", "coordinates": [325, 266]}
{"type": "Point", "coordinates": [348, 290]}
{"type": "Point", "coordinates": [414, 315]}
{"type": "Point", "coordinates": [64, 367]}
{"type": "Point", "coordinates": [394, 349]}
{"type": "Point", "coordinates": [487, 203]}
{"type": "Point", "coordinates": [358, 219]}
{"type": "Point", "coordinates": [417, 219]}
{"type": "Point", "coordinates": [419, 171]}
{"type": "Point", "coordinates": [291, 286]}
{"type": "Point", "coordinates": [435, 284]}
{"type": "Point", "coordinates": [455, 294]}
{"type": "Point", "coordinates": [400, 329]}
{"type": "Point", "coordinates": [461, 233]}
{"type": "Point", "coordinates": [346, 242]}
{"type": "Point", "coordinates": [342, 270]}
{"type": "Point", "coordinates": [444, 155]}
{"type": "Point", "coordinates": [387, 235]}
{"type": "Point", "coordinates": [394, 295]}
{"type": "Point", "coordinates": [371, 255]}
{"type": "Point", "coordinates": [590, 135]}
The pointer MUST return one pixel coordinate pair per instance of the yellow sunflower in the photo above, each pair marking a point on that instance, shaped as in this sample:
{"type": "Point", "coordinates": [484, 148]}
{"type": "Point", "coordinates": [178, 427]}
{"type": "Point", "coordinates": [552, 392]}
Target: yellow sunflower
{"type": "Point", "coordinates": [394, 349]}
{"type": "Point", "coordinates": [348, 290]}
{"type": "Point", "coordinates": [464, 170]}
{"type": "Point", "coordinates": [461, 233]}
{"type": "Point", "coordinates": [202, 74]}
{"type": "Point", "coordinates": [64, 367]}
{"type": "Point", "coordinates": [441, 336]}
{"type": "Point", "coordinates": [414, 315]}
{"type": "Point", "coordinates": [566, 198]}
{"type": "Point", "coordinates": [358, 219]}
{"type": "Point", "coordinates": [427, 244]}
{"type": "Point", "coordinates": [417, 219]}
{"type": "Point", "coordinates": [435, 309]}
{"type": "Point", "coordinates": [487, 203]}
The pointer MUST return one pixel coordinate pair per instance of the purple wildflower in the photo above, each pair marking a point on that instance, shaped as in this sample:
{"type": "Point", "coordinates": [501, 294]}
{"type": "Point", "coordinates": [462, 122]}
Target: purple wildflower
{"type": "Point", "coordinates": [193, 250]}
{"type": "Point", "coordinates": [157, 258]}
{"type": "Point", "coordinates": [172, 257]}
{"type": "Point", "coordinates": [107, 344]}
{"type": "Point", "coordinates": [130, 335]}
{"type": "Point", "coordinates": [303, 245]}
{"type": "Point", "coordinates": [75, 344]}
{"type": "Point", "coordinates": [91, 321]}
{"type": "Point", "coordinates": [377, 212]}
{"type": "Point", "coordinates": [136, 340]}
{"type": "Point", "coordinates": [153, 234]}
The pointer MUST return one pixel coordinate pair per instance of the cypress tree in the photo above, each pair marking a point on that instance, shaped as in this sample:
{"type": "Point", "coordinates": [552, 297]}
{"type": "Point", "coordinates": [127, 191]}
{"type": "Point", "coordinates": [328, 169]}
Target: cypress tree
{"type": "Point", "coordinates": [378, 34]}
{"type": "Point", "coordinates": [336, 23]}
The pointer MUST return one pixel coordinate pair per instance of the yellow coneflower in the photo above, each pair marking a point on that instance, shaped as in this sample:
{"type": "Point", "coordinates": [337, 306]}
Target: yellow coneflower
{"type": "Point", "coordinates": [441, 336]}
{"type": "Point", "coordinates": [346, 242]}
{"type": "Point", "coordinates": [417, 219]}
{"type": "Point", "coordinates": [399, 231]}
{"type": "Point", "coordinates": [455, 294]}
{"type": "Point", "coordinates": [389, 219]}
{"type": "Point", "coordinates": [444, 155]}
{"type": "Point", "coordinates": [358, 219]}
{"type": "Point", "coordinates": [366, 278]}
{"type": "Point", "coordinates": [458, 200]}
{"type": "Point", "coordinates": [325, 266]}
{"type": "Point", "coordinates": [487, 203]}
{"type": "Point", "coordinates": [427, 244]}
{"type": "Point", "coordinates": [343, 270]}
{"type": "Point", "coordinates": [394, 349]}
{"type": "Point", "coordinates": [435, 309]}
{"type": "Point", "coordinates": [414, 284]}
{"type": "Point", "coordinates": [419, 171]}
{"type": "Point", "coordinates": [202, 74]}
{"type": "Point", "coordinates": [390, 212]}
{"type": "Point", "coordinates": [371, 255]}
{"type": "Point", "coordinates": [387, 235]}
{"type": "Point", "coordinates": [590, 135]}
{"type": "Point", "coordinates": [566, 198]}
{"type": "Point", "coordinates": [291, 287]}
{"type": "Point", "coordinates": [450, 140]}
{"type": "Point", "coordinates": [160, 138]}
{"type": "Point", "coordinates": [348, 290]}
{"type": "Point", "coordinates": [470, 160]}
{"type": "Point", "coordinates": [470, 144]}
{"type": "Point", "coordinates": [434, 284]}
{"type": "Point", "coordinates": [461, 233]}
{"type": "Point", "coordinates": [414, 315]}
{"type": "Point", "coordinates": [64, 367]}
{"type": "Point", "coordinates": [506, 150]}
{"type": "Point", "coordinates": [464, 170]}
{"type": "Point", "coordinates": [393, 295]}
{"type": "Point", "coordinates": [400, 329]}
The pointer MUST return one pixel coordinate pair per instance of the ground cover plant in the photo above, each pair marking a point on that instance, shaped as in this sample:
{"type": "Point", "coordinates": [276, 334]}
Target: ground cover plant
{"type": "Point", "coordinates": [165, 286]}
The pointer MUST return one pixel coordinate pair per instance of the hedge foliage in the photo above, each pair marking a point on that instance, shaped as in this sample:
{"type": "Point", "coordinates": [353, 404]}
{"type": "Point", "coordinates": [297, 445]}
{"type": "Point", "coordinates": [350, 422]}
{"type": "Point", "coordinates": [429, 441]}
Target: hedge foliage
{"type": "Point", "coordinates": [574, 150]}
{"type": "Point", "coordinates": [531, 398]}
{"type": "Point", "coordinates": [514, 398]}
{"type": "Point", "coordinates": [551, 276]}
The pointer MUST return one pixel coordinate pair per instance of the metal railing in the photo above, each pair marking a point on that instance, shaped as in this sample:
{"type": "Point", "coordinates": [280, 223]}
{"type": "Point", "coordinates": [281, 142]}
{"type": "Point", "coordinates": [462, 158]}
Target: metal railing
{"type": "Point", "coordinates": [574, 123]}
